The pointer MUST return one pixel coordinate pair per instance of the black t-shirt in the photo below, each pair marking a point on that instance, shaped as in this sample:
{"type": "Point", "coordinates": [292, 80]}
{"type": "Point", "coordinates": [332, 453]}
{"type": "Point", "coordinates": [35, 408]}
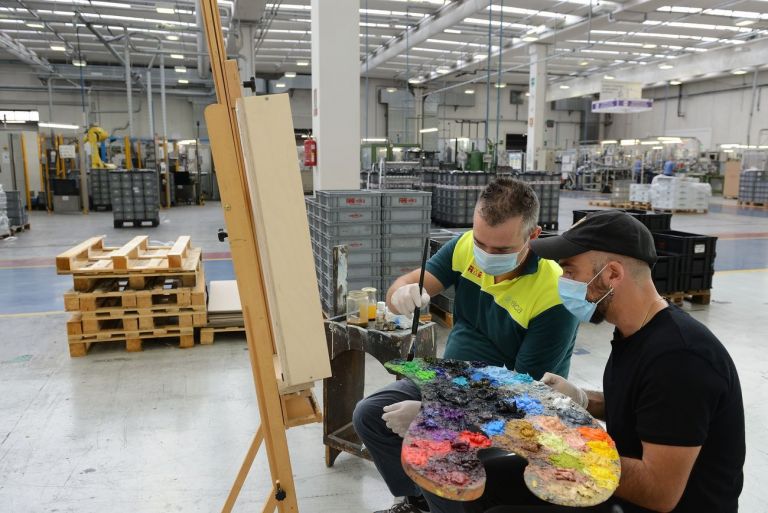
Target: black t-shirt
{"type": "Point", "coordinates": [673, 383]}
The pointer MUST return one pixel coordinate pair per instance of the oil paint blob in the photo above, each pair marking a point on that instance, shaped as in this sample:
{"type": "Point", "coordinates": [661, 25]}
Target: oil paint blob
{"type": "Point", "coordinates": [470, 406]}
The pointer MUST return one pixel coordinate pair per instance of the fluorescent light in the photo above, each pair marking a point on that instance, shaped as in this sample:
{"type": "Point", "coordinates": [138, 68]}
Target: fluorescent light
{"type": "Point", "coordinates": [290, 74]}
{"type": "Point", "coordinates": [391, 89]}
{"type": "Point", "coordinates": [658, 148]}
{"type": "Point", "coordinates": [375, 139]}
{"type": "Point", "coordinates": [628, 142]}
{"type": "Point", "coordinates": [565, 86]}
{"type": "Point", "coordinates": [442, 70]}
{"type": "Point", "coordinates": [302, 63]}
{"type": "Point", "coordinates": [674, 82]}
{"type": "Point", "coordinates": [58, 48]}
{"type": "Point", "coordinates": [649, 143]}
{"type": "Point", "coordinates": [414, 80]}
{"type": "Point", "coordinates": [58, 125]}
{"type": "Point", "coordinates": [183, 81]}
{"type": "Point", "coordinates": [185, 142]}
{"type": "Point", "coordinates": [527, 93]}
{"type": "Point", "coordinates": [280, 85]}
{"type": "Point", "coordinates": [176, 56]}
{"type": "Point", "coordinates": [180, 69]}
{"type": "Point", "coordinates": [727, 151]}
{"type": "Point", "coordinates": [530, 39]}
{"type": "Point", "coordinates": [171, 37]}
{"type": "Point", "coordinates": [78, 62]}
{"type": "Point", "coordinates": [584, 63]}
{"type": "Point", "coordinates": [469, 91]}
{"type": "Point", "coordinates": [609, 141]}
{"type": "Point", "coordinates": [665, 66]}
{"type": "Point", "coordinates": [35, 25]}
{"type": "Point", "coordinates": [742, 23]}
{"type": "Point", "coordinates": [452, 31]}
{"type": "Point", "coordinates": [739, 72]}
{"type": "Point", "coordinates": [165, 10]}
{"type": "Point", "coordinates": [608, 77]}
{"type": "Point", "coordinates": [428, 130]}
{"type": "Point", "coordinates": [500, 85]}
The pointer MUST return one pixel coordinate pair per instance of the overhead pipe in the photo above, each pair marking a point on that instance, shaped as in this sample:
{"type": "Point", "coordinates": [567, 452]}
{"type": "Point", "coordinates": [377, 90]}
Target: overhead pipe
{"type": "Point", "coordinates": [202, 63]}
{"type": "Point", "coordinates": [752, 106]}
{"type": "Point", "coordinates": [100, 37]}
{"type": "Point", "coordinates": [128, 86]}
{"type": "Point", "coordinates": [150, 111]}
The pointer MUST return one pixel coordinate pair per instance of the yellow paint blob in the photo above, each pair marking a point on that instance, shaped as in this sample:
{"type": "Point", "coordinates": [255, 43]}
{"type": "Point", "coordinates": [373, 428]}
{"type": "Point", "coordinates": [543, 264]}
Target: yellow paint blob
{"type": "Point", "coordinates": [603, 476]}
{"type": "Point", "coordinates": [603, 449]}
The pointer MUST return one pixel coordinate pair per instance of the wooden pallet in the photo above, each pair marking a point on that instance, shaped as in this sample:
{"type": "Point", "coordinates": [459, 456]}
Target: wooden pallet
{"type": "Point", "coordinates": [79, 345]}
{"type": "Point", "coordinates": [753, 204]}
{"type": "Point", "coordinates": [641, 205]}
{"type": "Point", "coordinates": [128, 322]}
{"type": "Point", "coordinates": [600, 203]}
{"type": "Point", "coordinates": [680, 210]}
{"type": "Point", "coordinates": [138, 281]}
{"type": "Point", "coordinates": [20, 228]}
{"type": "Point", "coordinates": [698, 297]}
{"type": "Point", "coordinates": [208, 334]}
{"type": "Point", "coordinates": [441, 316]}
{"type": "Point", "coordinates": [91, 257]}
{"type": "Point", "coordinates": [116, 295]}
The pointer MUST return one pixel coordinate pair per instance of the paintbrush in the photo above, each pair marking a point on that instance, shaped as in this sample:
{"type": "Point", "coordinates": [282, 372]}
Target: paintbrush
{"type": "Point", "coordinates": [417, 310]}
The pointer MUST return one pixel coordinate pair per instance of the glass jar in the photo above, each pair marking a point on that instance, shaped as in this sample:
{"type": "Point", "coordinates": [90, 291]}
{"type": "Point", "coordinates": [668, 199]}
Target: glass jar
{"type": "Point", "coordinates": [357, 308]}
{"type": "Point", "coordinates": [371, 292]}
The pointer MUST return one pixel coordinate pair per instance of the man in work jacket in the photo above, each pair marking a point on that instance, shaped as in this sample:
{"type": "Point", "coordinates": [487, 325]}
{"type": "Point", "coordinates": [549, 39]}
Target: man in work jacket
{"type": "Point", "coordinates": [507, 312]}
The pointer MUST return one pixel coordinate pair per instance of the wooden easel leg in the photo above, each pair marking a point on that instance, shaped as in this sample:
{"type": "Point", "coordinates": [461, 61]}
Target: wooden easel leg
{"type": "Point", "coordinates": [243, 473]}
{"type": "Point", "coordinates": [270, 504]}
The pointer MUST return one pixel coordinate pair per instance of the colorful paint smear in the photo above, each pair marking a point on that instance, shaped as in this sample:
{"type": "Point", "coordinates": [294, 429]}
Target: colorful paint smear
{"type": "Point", "coordinates": [469, 406]}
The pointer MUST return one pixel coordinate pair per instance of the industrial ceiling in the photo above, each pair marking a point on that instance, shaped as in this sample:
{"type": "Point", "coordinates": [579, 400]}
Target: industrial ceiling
{"type": "Point", "coordinates": [427, 42]}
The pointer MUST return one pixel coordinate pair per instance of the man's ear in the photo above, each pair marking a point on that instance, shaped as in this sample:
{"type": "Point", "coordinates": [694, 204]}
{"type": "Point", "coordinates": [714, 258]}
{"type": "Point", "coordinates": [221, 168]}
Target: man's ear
{"type": "Point", "coordinates": [615, 271]}
{"type": "Point", "coordinates": [535, 233]}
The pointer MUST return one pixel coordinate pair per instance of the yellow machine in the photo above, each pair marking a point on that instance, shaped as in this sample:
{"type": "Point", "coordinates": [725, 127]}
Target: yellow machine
{"type": "Point", "coordinates": [95, 135]}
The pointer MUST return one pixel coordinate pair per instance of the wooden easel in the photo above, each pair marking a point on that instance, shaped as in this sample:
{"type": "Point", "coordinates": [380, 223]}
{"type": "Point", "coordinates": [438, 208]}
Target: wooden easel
{"type": "Point", "coordinates": [279, 407]}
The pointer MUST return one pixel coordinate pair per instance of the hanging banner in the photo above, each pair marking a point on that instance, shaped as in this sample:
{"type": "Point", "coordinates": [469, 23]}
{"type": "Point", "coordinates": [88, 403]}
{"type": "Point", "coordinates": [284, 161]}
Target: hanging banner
{"type": "Point", "coordinates": [621, 98]}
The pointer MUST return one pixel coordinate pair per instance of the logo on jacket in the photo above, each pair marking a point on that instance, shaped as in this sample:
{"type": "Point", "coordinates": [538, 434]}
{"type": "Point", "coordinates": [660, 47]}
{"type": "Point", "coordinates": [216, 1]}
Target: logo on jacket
{"type": "Point", "coordinates": [474, 271]}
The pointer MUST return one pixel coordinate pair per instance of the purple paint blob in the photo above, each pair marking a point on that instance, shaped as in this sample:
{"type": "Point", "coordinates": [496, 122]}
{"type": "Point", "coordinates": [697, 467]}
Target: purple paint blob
{"type": "Point", "coordinates": [494, 427]}
{"type": "Point", "coordinates": [443, 434]}
{"type": "Point", "coordinates": [452, 414]}
{"type": "Point", "coordinates": [529, 405]}
{"type": "Point", "coordinates": [428, 423]}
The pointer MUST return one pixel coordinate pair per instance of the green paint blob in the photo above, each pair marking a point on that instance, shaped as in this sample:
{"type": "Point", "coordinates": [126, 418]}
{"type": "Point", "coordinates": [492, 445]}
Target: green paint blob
{"type": "Point", "coordinates": [414, 370]}
{"type": "Point", "coordinates": [565, 460]}
{"type": "Point", "coordinates": [425, 375]}
{"type": "Point", "coordinates": [553, 442]}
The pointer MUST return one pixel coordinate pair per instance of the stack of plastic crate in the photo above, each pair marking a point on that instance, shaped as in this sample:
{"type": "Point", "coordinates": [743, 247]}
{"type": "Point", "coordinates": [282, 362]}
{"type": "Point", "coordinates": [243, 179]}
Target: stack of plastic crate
{"type": "Point", "coordinates": [547, 188]}
{"type": "Point", "coordinates": [753, 186]}
{"type": "Point", "coordinates": [456, 193]}
{"type": "Point", "coordinates": [98, 185]}
{"type": "Point", "coordinates": [405, 225]}
{"type": "Point", "coordinates": [135, 197]}
{"type": "Point", "coordinates": [17, 214]}
{"type": "Point", "coordinates": [352, 219]}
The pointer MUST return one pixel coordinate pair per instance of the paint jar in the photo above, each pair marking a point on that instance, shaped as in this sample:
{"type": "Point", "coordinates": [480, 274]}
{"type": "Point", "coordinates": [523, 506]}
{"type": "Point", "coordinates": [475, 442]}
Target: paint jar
{"type": "Point", "coordinates": [357, 308]}
{"type": "Point", "coordinates": [371, 291]}
{"type": "Point", "coordinates": [381, 315]}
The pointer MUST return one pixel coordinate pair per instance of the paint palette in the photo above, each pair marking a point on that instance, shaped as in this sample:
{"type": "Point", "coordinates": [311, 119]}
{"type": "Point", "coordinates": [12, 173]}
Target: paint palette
{"type": "Point", "coordinates": [469, 406]}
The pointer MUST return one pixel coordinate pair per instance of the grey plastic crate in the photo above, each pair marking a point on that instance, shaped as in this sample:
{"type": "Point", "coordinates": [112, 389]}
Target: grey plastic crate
{"type": "Point", "coordinates": [406, 215]}
{"type": "Point", "coordinates": [399, 269]}
{"type": "Point", "coordinates": [347, 215]}
{"type": "Point", "coordinates": [349, 199]}
{"type": "Point", "coordinates": [397, 256]}
{"type": "Point", "coordinates": [347, 229]}
{"type": "Point", "coordinates": [406, 199]}
{"type": "Point", "coordinates": [389, 242]}
{"type": "Point", "coordinates": [405, 228]}
{"type": "Point", "coordinates": [324, 242]}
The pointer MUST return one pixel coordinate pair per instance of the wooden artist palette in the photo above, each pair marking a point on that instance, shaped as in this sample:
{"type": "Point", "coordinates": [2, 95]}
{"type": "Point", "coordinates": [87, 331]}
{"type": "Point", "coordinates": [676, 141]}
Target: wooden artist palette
{"type": "Point", "coordinates": [468, 406]}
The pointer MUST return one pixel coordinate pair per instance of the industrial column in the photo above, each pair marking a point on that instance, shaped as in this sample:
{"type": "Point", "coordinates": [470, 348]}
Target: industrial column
{"type": "Point", "coordinates": [537, 105]}
{"type": "Point", "coordinates": [336, 93]}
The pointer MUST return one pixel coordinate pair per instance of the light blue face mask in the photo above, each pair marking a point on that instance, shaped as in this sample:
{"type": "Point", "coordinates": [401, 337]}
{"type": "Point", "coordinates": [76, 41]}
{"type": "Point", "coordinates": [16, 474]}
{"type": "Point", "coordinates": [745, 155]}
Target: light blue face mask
{"type": "Point", "coordinates": [495, 264]}
{"type": "Point", "coordinates": [574, 296]}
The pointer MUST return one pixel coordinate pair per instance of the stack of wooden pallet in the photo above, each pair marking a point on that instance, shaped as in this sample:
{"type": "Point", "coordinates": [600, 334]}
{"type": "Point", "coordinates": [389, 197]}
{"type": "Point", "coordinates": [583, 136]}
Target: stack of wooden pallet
{"type": "Point", "coordinates": [225, 315]}
{"type": "Point", "coordinates": [133, 293]}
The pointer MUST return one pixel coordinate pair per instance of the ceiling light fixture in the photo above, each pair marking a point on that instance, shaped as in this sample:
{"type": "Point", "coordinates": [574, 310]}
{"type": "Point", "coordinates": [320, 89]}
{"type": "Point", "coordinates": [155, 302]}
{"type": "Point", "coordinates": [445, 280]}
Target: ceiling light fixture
{"type": "Point", "coordinates": [530, 39]}
{"type": "Point", "coordinates": [527, 94]}
{"type": "Point", "coordinates": [80, 63]}
{"type": "Point", "coordinates": [565, 86]}
{"type": "Point", "coordinates": [171, 37]}
{"type": "Point", "coordinates": [302, 63]}
{"type": "Point", "coordinates": [609, 141]}
{"type": "Point", "coordinates": [414, 80]}
{"type": "Point", "coordinates": [665, 66]}
{"type": "Point", "coordinates": [176, 56]}
{"type": "Point", "coordinates": [180, 69]}
{"type": "Point", "coordinates": [452, 31]}
{"type": "Point", "coordinates": [375, 139]}
{"type": "Point", "coordinates": [584, 63]}
{"type": "Point", "coordinates": [742, 23]}
{"type": "Point", "coordinates": [428, 130]}
{"type": "Point", "coordinates": [500, 85]}
{"type": "Point", "coordinates": [35, 25]}
{"type": "Point", "coordinates": [739, 72]}
{"type": "Point", "coordinates": [290, 74]}
{"type": "Point", "coordinates": [58, 48]}
{"type": "Point", "coordinates": [165, 10]}
{"type": "Point", "coordinates": [608, 77]}
{"type": "Point", "coordinates": [391, 89]}
{"type": "Point", "coordinates": [674, 82]}
{"type": "Point", "coordinates": [183, 81]}
{"type": "Point", "coordinates": [469, 91]}
{"type": "Point", "coordinates": [279, 85]}
{"type": "Point", "coordinates": [64, 126]}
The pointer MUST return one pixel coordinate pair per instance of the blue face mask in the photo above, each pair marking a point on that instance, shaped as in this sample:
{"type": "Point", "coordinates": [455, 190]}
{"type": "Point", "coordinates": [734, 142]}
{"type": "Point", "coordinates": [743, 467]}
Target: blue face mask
{"type": "Point", "coordinates": [574, 296]}
{"type": "Point", "coordinates": [495, 264]}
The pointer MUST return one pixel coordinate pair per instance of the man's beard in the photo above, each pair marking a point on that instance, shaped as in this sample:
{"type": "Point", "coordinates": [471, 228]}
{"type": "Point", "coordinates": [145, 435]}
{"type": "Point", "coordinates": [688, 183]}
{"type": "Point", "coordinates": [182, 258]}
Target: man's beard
{"type": "Point", "coordinates": [602, 308]}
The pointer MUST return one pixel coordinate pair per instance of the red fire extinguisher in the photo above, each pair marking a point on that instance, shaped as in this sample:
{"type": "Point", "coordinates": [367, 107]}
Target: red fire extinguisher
{"type": "Point", "coordinates": [310, 152]}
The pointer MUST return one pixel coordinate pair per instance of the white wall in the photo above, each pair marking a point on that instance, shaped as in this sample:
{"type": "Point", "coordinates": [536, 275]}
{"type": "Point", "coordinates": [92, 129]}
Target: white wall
{"type": "Point", "coordinates": [716, 108]}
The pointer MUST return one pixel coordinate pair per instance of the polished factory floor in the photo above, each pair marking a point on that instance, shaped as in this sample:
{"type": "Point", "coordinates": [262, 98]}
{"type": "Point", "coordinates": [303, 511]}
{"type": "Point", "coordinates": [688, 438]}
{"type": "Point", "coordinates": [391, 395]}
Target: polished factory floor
{"type": "Point", "coordinates": [165, 430]}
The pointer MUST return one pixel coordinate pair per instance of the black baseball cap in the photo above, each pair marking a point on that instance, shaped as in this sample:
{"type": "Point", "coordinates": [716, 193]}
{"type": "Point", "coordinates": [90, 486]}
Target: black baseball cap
{"type": "Point", "coordinates": [612, 231]}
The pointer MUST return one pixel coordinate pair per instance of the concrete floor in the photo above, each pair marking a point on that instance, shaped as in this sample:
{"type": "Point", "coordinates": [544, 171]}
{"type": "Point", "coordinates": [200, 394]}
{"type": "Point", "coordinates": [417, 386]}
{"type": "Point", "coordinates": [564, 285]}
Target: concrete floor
{"type": "Point", "coordinates": [165, 430]}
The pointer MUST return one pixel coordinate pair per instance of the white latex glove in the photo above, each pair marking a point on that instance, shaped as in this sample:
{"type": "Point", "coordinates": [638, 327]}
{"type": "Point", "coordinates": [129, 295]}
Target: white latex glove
{"type": "Point", "coordinates": [407, 298]}
{"type": "Point", "coordinates": [565, 387]}
{"type": "Point", "coordinates": [399, 416]}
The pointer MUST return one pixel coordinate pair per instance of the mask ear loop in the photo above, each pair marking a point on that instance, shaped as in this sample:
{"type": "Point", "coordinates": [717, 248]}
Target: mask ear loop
{"type": "Point", "coordinates": [610, 291]}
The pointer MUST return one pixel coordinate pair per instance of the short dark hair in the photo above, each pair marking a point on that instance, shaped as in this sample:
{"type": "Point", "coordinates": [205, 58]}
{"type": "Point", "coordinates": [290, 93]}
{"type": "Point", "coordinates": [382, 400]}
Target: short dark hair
{"type": "Point", "coordinates": [505, 198]}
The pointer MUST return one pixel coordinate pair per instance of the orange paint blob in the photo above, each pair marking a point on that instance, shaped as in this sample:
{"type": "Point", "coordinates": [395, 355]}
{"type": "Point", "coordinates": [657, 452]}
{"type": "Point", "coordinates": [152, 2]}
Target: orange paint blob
{"type": "Point", "coordinates": [474, 439]}
{"type": "Point", "coordinates": [598, 435]}
{"type": "Point", "coordinates": [418, 452]}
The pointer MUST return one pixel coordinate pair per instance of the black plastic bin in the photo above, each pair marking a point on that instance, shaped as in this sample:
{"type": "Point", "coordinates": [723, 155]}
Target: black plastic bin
{"type": "Point", "coordinates": [654, 221]}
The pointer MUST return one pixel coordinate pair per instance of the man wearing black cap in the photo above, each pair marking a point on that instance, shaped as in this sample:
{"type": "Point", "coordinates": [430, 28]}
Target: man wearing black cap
{"type": "Point", "coordinates": [672, 398]}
